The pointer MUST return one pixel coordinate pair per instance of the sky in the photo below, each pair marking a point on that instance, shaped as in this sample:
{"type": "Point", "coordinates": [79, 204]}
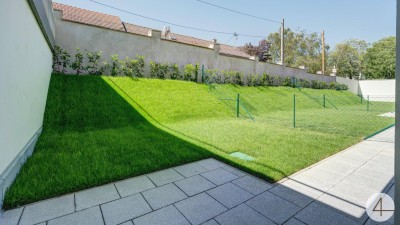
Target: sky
{"type": "Point", "coordinates": [369, 20]}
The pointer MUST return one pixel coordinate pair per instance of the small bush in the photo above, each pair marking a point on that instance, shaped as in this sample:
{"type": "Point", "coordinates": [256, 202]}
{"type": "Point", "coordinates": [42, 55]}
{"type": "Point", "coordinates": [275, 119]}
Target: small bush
{"type": "Point", "coordinates": [252, 80]}
{"type": "Point", "coordinates": [134, 67]}
{"type": "Point", "coordinates": [93, 66]}
{"type": "Point", "coordinates": [265, 80]}
{"type": "Point", "coordinates": [212, 76]}
{"type": "Point", "coordinates": [174, 73]}
{"type": "Point", "coordinates": [191, 72]}
{"type": "Point", "coordinates": [287, 82]}
{"type": "Point", "coordinates": [61, 60]}
{"type": "Point", "coordinates": [77, 65]}
{"type": "Point", "coordinates": [114, 65]}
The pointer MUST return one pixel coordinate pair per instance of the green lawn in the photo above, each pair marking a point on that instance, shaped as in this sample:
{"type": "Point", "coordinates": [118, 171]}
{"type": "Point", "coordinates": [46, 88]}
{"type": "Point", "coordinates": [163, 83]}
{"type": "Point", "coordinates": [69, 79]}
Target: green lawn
{"type": "Point", "coordinates": [102, 129]}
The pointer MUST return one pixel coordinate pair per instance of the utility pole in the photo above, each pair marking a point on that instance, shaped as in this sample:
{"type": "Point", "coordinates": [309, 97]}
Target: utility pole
{"type": "Point", "coordinates": [323, 53]}
{"type": "Point", "coordinates": [283, 43]}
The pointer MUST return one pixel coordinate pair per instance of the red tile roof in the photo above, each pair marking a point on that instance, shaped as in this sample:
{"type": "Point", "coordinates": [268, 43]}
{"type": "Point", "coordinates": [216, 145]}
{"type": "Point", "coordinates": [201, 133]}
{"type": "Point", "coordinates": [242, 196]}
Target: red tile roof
{"type": "Point", "coordinates": [88, 17]}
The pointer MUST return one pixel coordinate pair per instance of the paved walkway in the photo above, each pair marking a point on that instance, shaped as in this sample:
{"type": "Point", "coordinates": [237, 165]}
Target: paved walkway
{"type": "Point", "coordinates": [333, 191]}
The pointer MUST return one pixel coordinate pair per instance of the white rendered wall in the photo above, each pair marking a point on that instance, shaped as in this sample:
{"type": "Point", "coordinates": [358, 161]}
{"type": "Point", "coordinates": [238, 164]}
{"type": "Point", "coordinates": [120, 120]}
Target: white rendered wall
{"type": "Point", "coordinates": [378, 90]}
{"type": "Point", "coordinates": [25, 69]}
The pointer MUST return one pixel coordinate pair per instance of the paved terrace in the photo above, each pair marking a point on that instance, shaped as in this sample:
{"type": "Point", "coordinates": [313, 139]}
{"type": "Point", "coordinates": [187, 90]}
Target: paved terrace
{"type": "Point", "coordinates": [333, 191]}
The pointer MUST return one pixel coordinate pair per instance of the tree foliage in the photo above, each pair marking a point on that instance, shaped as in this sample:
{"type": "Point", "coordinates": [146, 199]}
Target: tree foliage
{"type": "Point", "coordinates": [380, 59]}
{"type": "Point", "coordinates": [347, 57]}
{"type": "Point", "coordinates": [301, 49]}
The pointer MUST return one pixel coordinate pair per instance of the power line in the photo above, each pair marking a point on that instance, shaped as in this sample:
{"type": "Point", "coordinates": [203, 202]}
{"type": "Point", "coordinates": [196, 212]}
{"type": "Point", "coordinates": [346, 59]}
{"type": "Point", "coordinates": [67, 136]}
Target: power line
{"type": "Point", "coordinates": [174, 24]}
{"type": "Point", "coordinates": [242, 13]}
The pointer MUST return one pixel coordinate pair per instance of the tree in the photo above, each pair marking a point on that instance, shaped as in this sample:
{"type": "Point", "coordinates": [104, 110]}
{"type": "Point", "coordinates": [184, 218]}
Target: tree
{"type": "Point", "coordinates": [380, 59]}
{"type": "Point", "coordinates": [261, 51]}
{"type": "Point", "coordinates": [301, 49]}
{"type": "Point", "coordinates": [347, 57]}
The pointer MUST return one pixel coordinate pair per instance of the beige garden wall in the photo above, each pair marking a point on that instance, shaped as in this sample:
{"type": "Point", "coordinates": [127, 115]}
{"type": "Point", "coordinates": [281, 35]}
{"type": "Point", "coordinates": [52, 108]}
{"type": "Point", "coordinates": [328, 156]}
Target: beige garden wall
{"type": "Point", "coordinates": [71, 35]}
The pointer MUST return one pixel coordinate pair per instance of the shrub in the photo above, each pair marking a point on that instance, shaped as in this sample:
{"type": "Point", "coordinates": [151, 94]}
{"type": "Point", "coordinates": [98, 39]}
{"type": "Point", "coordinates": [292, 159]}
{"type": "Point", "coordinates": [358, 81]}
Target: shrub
{"type": "Point", "coordinates": [340, 87]}
{"type": "Point", "coordinates": [134, 67]}
{"type": "Point", "coordinates": [78, 63]}
{"type": "Point", "coordinates": [265, 80]}
{"type": "Point", "coordinates": [191, 72]}
{"type": "Point", "coordinates": [153, 69]}
{"type": "Point", "coordinates": [61, 60]}
{"type": "Point", "coordinates": [174, 71]}
{"type": "Point", "coordinates": [158, 70]}
{"type": "Point", "coordinates": [252, 80]}
{"type": "Point", "coordinates": [114, 65]}
{"type": "Point", "coordinates": [332, 85]}
{"type": "Point", "coordinates": [287, 82]}
{"type": "Point", "coordinates": [304, 83]}
{"type": "Point", "coordinates": [93, 67]}
{"type": "Point", "coordinates": [212, 76]}
{"type": "Point", "coordinates": [277, 81]}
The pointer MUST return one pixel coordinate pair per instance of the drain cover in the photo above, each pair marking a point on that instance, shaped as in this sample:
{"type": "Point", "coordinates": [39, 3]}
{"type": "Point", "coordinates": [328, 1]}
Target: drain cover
{"type": "Point", "coordinates": [242, 156]}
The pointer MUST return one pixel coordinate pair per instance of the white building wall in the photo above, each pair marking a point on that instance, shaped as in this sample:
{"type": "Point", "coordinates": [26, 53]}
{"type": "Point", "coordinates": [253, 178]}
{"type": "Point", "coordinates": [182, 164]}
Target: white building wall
{"type": "Point", "coordinates": [25, 69]}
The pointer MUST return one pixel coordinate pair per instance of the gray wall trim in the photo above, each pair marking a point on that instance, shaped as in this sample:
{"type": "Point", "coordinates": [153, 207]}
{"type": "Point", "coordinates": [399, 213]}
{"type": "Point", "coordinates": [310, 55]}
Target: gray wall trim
{"type": "Point", "coordinates": [9, 174]}
{"type": "Point", "coordinates": [43, 11]}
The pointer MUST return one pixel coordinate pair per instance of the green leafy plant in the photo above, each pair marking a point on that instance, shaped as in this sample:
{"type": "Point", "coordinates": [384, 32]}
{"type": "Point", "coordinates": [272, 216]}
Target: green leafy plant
{"type": "Point", "coordinates": [114, 65]}
{"type": "Point", "coordinates": [93, 66]}
{"type": "Point", "coordinates": [191, 72]}
{"type": "Point", "coordinates": [61, 60]}
{"type": "Point", "coordinates": [212, 76]}
{"type": "Point", "coordinates": [174, 71]}
{"type": "Point", "coordinates": [252, 80]}
{"type": "Point", "coordinates": [265, 80]}
{"type": "Point", "coordinates": [77, 65]}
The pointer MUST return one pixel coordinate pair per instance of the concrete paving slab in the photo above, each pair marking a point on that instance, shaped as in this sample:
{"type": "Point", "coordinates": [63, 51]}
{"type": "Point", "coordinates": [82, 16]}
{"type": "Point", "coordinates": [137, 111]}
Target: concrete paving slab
{"type": "Point", "coordinates": [194, 185]}
{"type": "Point", "coordinates": [200, 208]}
{"type": "Point", "coordinates": [235, 171]}
{"type": "Point", "coordinates": [354, 193]}
{"type": "Point", "coordinates": [124, 209]}
{"type": "Point", "coordinates": [190, 169]}
{"type": "Point", "coordinates": [242, 215]}
{"type": "Point", "coordinates": [252, 184]}
{"type": "Point", "coordinates": [344, 206]}
{"type": "Point", "coordinates": [95, 196]}
{"type": "Point", "coordinates": [91, 216]}
{"type": "Point", "coordinates": [219, 176]}
{"type": "Point", "coordinates": [166, 216]}
{"type": "Point", "coordinates": [364, 181]}
{"type": "Point", "coordinates": [211, 164]}
{"type": "Point", "coordinates": [294, 221]}
{"type": "Point", "coordinates": [163, 196]}
{"type": "Point", "coordinates": [291, 195]}
{"type": "Point", "coordinates": [316, 214]}
{"type": "Point", "coordinates": [230, 195]}
{"type": "Point", "coordinates": [127, 223]}
{"type": "Point", "coordinates": [11, 217]}
{"type": "Point", "coordinates": [273, 207]}
{"type": "Point", "coordinates": [48, 209]}
{"type": "Point", "coordinates": [165, 176]}
{"type": "Point", "coordinates": [134, 185]}
{"type": "Point", "coordinates": [210, 222]}
{"type": "Point", "coordinates": [382, 176]}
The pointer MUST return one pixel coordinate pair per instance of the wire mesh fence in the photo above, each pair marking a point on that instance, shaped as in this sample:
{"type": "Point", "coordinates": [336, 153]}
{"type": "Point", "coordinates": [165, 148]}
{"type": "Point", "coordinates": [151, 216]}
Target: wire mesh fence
{"type": "Point", "coordinates": [332, 112]}
{"type": "Point", "coordinates": [347, 115]}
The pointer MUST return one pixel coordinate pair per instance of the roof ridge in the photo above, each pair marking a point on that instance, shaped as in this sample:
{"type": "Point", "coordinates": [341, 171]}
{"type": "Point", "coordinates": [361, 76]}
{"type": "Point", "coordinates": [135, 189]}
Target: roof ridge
{"type": "Point", "coordinates": [64, 5]}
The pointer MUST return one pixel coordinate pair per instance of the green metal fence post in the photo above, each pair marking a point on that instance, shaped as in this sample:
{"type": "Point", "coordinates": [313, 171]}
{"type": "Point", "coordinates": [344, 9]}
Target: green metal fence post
{"type": "Point", "coordinates": [367, 102]}
{"type": "Point", "coordinates": [361, 98]}
{"type": "Point", "coordinates": [324, 101]}
{"type": "Point", "coordinates": [294, 110]}
{"type": "Point", "coordinates": [237, 105]}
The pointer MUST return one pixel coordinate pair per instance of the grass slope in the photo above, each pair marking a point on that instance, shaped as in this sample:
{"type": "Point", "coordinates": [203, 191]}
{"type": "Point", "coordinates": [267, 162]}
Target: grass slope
{"type": "Point", "coordinates": [102, 129]}
{"type": "Point", "coordinates": [92, 136]}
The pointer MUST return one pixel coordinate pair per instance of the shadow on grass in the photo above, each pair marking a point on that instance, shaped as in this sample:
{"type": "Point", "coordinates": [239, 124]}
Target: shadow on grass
{"type": "Point", "coordinates": [196, 140]}
{"type": "Point", "coordinates": [92, 136]}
